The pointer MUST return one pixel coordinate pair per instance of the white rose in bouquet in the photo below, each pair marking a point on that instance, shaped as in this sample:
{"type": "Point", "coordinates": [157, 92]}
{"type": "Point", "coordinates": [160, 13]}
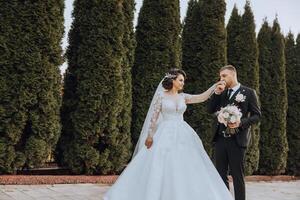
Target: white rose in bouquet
{"type": "Point", "coordinates": [229, 114]}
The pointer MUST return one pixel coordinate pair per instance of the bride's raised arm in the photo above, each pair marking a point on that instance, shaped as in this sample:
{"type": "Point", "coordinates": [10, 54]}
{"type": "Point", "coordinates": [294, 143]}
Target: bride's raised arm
{"type": "Point", "coordinates": [198, 98]}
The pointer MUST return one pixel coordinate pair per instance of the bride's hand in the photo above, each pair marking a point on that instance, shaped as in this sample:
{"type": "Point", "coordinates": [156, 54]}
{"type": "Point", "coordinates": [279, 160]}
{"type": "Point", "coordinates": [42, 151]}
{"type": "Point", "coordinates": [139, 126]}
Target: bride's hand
{"type": "Point", "coordinates": [220, 87]}
{"type": "Point", "coordinates": [149, 142]}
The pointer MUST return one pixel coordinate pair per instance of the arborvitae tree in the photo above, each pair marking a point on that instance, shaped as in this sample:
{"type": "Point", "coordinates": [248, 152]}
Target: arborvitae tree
{"type": "Point", "coordinates": [127, 64]}
{"type": "Point", "coordinates": [273, 140]}
{"type": "Point", "coordinates": [234, 40]}
{"type": "Point", "coordinates": [292, 55]}
{"type": "Point", "coordinates": [157, 50]}
{"type": "Point", "coordinates": [30, 81]}
{"type": "Point", "coordinates": [94, 140]}
{"type": "Point", "coordinates": [190, 36]}
{"type": "Point", "coordinates": [203, 53]}
{"type": "Point", "coordinates": [265, 63]}
{"type": "Point", "coordinates": [242, 52]}
{"type": "Point", "coordinates": [249, 73]}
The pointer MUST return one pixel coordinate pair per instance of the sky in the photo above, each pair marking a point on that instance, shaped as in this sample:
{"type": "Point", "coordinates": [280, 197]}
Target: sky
{"type": "Point", "coordinates": [287, 12]}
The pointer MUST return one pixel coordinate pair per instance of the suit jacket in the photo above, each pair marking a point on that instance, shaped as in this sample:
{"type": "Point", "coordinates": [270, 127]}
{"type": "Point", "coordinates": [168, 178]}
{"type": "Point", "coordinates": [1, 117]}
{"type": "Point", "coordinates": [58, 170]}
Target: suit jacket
{"type": "Point", "coordinates": [249, 108]}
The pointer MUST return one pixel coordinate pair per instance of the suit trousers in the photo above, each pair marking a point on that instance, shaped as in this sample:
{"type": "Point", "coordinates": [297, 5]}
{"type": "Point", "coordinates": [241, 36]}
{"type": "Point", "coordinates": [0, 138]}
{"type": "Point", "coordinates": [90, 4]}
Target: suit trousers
{"type": "Point", "coordinates": [229, 156]}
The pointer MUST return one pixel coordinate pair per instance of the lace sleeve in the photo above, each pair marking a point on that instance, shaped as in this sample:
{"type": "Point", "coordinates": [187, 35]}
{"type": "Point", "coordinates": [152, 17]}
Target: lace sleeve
{"type": "Point", "coordinates": [155, 116]}
{"type": "Point", "coordinates": [198, 98]}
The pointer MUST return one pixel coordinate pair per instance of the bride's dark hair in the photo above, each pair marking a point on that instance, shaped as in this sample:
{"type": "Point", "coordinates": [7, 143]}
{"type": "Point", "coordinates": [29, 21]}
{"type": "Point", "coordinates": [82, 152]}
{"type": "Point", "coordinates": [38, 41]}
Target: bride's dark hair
{"type": "Point", "coordinates": [167, 83]}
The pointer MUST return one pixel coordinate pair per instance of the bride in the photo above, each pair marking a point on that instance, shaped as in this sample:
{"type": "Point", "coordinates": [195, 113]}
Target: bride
{"type": "Point", "coordinates": [169, 161]}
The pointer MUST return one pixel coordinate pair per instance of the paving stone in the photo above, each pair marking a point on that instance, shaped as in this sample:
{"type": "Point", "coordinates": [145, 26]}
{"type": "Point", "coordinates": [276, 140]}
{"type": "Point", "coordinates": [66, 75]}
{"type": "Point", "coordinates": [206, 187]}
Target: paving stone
{"type": "Point", "coordinates": [277, 190]}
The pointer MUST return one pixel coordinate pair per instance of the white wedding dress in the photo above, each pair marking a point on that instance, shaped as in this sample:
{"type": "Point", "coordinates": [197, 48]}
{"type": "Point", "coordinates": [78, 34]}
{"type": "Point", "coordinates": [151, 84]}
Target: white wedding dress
{"type": "Point", "coordinates": [177, 166]}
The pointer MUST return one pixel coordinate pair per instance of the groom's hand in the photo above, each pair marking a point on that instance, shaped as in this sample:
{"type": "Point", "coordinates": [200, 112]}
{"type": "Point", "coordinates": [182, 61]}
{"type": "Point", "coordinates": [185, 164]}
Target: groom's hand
{"type": "Point", "coordinates": [234, 125]}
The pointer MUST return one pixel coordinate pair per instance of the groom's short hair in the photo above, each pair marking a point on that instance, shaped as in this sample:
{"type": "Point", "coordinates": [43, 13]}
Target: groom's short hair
{"type": "Point", "coordinates": [229, 67]}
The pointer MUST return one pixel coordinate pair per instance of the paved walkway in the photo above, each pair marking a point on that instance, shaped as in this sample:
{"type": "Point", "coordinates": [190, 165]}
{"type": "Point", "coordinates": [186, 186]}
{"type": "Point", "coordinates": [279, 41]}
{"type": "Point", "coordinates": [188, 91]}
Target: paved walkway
{"type": "Point", "coordinates": [255, 191]}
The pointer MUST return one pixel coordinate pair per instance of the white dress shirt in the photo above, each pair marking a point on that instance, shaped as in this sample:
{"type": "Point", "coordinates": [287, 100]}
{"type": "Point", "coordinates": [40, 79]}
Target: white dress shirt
{"type": "Point", "coordinates": [234, 89]}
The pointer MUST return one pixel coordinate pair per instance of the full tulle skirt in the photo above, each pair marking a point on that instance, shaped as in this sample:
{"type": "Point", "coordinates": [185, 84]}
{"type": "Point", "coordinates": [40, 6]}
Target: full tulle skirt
{"type": "Point", "coordinates": [176, 167]}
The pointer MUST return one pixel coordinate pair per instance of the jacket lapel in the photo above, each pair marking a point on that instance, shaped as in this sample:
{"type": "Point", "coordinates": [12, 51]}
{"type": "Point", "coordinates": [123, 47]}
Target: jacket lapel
{"type": "Point", "coordinates": [232, 99]}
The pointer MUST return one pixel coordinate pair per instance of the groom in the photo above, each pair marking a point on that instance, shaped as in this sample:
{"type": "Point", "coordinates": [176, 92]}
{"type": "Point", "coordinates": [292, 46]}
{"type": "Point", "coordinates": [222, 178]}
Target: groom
{"type": "Point", "coordinates": [230, 147]}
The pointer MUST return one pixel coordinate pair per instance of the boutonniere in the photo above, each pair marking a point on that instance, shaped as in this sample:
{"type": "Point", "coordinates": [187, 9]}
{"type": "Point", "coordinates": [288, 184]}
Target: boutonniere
{"type": "Point", "coordinates": [240, 97]}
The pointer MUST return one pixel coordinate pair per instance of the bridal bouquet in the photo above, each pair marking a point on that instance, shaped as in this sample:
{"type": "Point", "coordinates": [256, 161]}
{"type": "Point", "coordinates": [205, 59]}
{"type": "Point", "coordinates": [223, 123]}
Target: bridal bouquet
{"type": "Point", "coordinates": [229, 114]}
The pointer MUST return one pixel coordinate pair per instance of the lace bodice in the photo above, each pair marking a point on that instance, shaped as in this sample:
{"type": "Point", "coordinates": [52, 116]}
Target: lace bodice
{"type": "Point", "coordinates": [172, 107]}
